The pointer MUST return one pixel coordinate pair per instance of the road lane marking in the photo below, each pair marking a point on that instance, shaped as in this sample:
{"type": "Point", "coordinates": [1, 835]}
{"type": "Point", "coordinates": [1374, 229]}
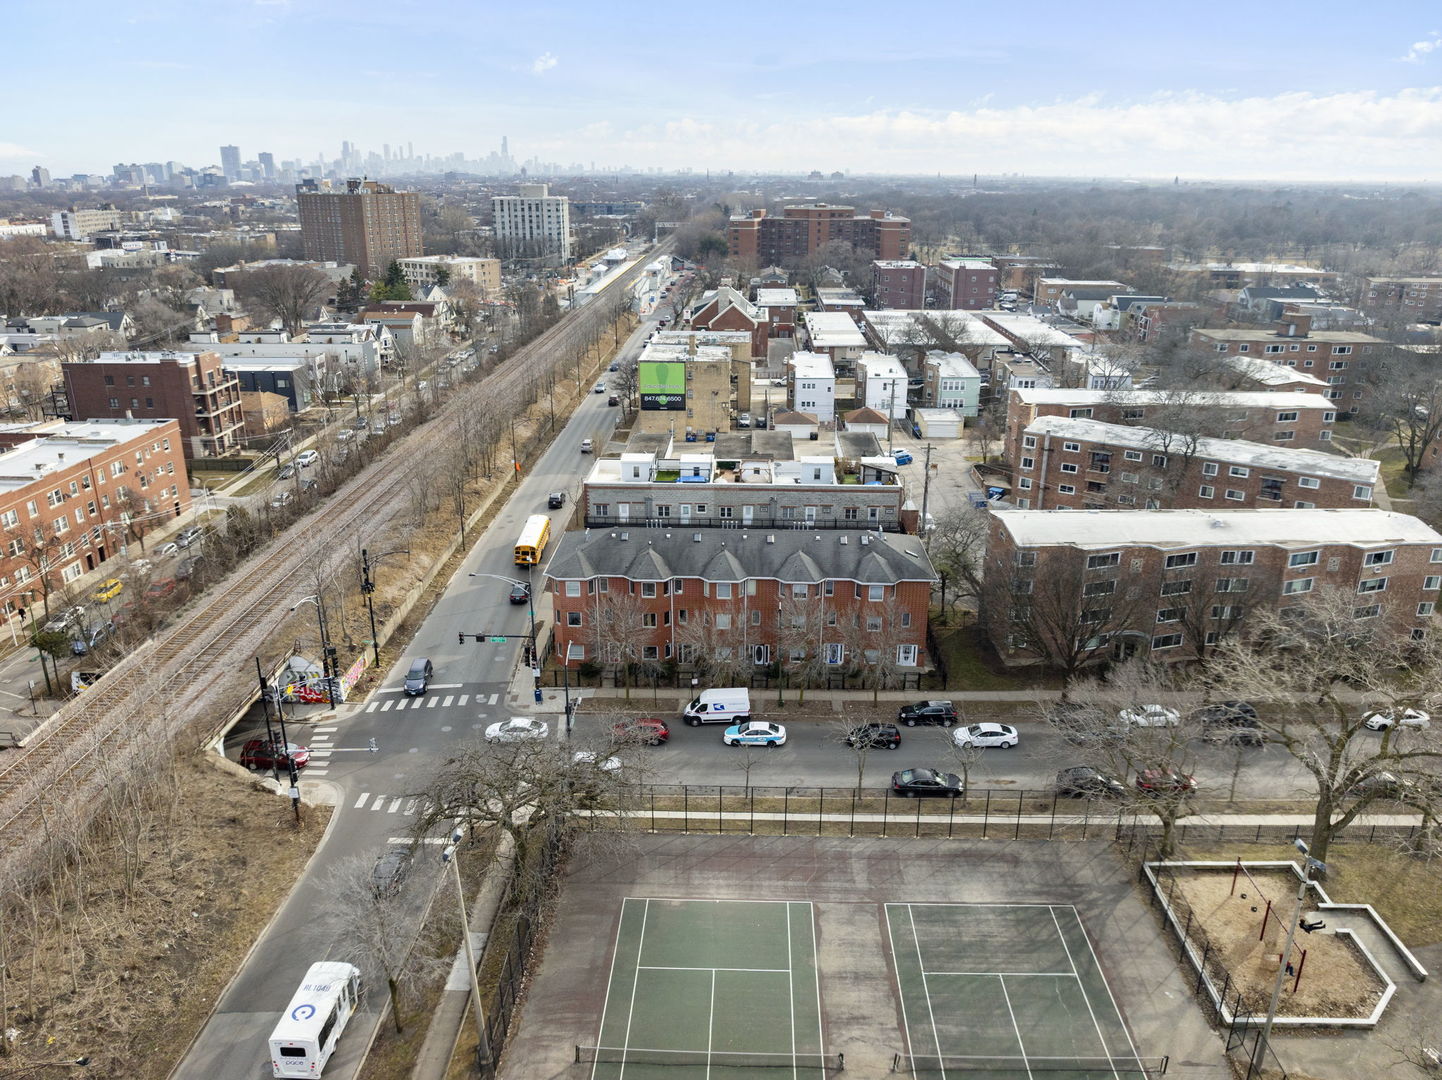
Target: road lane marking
{"type": "Point", "coordinates": [433, 702]}
{"type": "Point", "coordinates": [325, 730]}
{"type": "Point", "coordinates": [463, 699]}
{"type": "Point", "coordinates": [493, 699]}
{"type": "Point", "coordinates": [395, 805]}
{"type": "Point", "coordinates": [447, 703]}
{"type": "Point", "coordinates": [387, 704]}
{"type": "Point", "coordinates": [372, 706]}
{"type": "Point", "coordinates": [361, 802]}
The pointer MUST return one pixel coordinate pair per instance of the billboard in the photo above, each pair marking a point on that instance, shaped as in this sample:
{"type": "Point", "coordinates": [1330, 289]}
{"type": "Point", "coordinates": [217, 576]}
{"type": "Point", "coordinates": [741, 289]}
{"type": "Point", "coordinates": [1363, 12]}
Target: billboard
{"type": "Point", "coordinates": [662, 385]}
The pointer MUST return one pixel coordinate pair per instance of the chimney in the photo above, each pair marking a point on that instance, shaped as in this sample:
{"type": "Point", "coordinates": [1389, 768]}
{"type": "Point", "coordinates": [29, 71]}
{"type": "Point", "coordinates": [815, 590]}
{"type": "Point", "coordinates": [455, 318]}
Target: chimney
{"type": "Point", "coordinates": [1294, 324]}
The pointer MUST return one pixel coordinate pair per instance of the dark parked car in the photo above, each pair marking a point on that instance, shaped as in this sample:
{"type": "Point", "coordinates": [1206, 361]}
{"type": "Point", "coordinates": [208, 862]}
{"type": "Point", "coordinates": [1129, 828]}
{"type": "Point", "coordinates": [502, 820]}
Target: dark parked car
{"type": "Point", "coordinates": [875, 736]}
{"type": "Point", "coordinates": [419, 677]}
{"type": "Point", "coordinates": [191, 534]}
{"type": "Point", "coordinates": [260, 754]}
{"type": "Point", "coordinates": [645, 729]}
{"type": "Point", "coordinates": [88, 638]}
{"type": "Point", "coordinates": [1232, 722]}
{"type": "Point", "coordinates": [927, 712]}
{"type": "Point", "coordinates": [390, 871]}
{"type": "Point", "coordinates": [159, 590]}
{"type": "Point", "coordinates": [913, 782]}
{"type": "Point", "coordinates": [520, 592]}
{"type": "Point", "coordinates": [556, 499]}
{"type": "Point", "coordinates": [613, 400]}
{"type": "Point", "coordinates": [1084, 782]}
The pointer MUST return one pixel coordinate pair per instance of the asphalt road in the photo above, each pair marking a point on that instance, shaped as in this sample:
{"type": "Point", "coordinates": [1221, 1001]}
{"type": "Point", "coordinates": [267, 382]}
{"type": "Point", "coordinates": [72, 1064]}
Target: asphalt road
{"type": "Point", "coordinates": [376, 792]}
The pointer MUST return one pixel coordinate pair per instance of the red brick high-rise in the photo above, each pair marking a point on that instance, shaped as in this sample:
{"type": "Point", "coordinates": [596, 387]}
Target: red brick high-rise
{"type": "Point", "coordinates": [367, 224]}
{"type": "Point", "coordinates": [757, 239]}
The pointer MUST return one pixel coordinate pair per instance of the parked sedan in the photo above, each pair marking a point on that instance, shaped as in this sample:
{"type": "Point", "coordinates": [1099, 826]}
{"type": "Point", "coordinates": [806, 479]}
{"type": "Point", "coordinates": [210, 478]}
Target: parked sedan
{"type": "Point", "coordinates": [306, 458]}
{"type": "Point", "coordinates": [927, 712]}
{"type": "Point", "coordinates": [390, 871]}
{"type": "Point", "coordinates": [644, 729]}
{"type": "Point", "coordinates": [1232, 722]}
{"type": "Point", "coordinates": [1165, 781]}
{"type": "Point", "coordinates": [754, 733]}
{"type": "Point", "coordinates": [520, 592]}
{"type": "Point", "coordinates": [874, 736]}
{"type": "Point", "coordinates": [189, 536]}
{"type": "Point", "coordinates": [1084, 782]}
{"type": "Point", "coordinates": [911, 783]}
{"type": "Point", "coordinates": [1150, 716]}
{"type": "Point", "coordinates": [1002, 735]}
{"type": "Point", "coordinates": [1383, 719]}
{"type": "Point", "coordinates": [517, 729]}
{"type": "Point", "coordinates": [264, 754]}
{"type": "Point", "coordinates": [108, 589]}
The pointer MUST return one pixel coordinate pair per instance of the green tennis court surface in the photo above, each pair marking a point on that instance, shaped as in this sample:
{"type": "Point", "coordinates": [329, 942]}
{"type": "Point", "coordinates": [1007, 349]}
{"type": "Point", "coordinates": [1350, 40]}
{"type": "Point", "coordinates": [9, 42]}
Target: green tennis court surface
{"type": "Point", "coordinates": [1003, 991]}
{"type": "Point", "coordinates": [728, 987]}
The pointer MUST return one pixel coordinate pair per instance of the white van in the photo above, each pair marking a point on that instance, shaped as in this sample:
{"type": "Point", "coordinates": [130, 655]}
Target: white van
{"type": "Point", "coordinates": [729, 705]}
{"type": "Point", "coordinates": [308, 1031]}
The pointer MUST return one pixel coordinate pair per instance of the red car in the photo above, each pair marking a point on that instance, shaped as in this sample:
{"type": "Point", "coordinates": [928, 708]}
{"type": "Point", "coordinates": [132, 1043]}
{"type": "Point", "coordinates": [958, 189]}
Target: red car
{"type": "Point", "coordinates": [649, 731]}
{"type": "Point", "coordinates": [262, 754]}
{"type": "Point", "coordinates": [1165, 782]}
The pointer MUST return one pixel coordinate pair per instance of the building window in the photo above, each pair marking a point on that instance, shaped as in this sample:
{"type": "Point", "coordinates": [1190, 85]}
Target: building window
{"type": "Point", "coordinates": [875, 593]}
{"type": "Point", "coordinates": [906, 655]}
{"type": "Point", "coordinates": [1071, 447]}
{"type": "Point", "coordinates": [1304, 558]}
{"type": "Point", "coordinates": [1066, 489]}
{"type": "Point", "coordinates": [1300, 585]}
{"type": "Point", "coordinates": [1341, 350]}
{"type": "Point", "coordinates": [1209, 468]}
{"type": "Point", "coordinates": [1169, 614]}
{"type": "Point", "coordinates": [1186, 559]}
{"type": "Point", "coordinates": [1235, 495]}
{"type": "Point", "coordinates": [1378, 558]}
{"type": "Point", "coordinates": [1028, 442]}
{"type": "Point", "coordinates": [573, 618]}
{"type": "Point", "coordinates": [1425, 609]}
{"type": "Point", "coordinates": [1104, 562]}
{"type": "Point", "coordinates": [1363, 492]}
{"type": "Point", "coordinates": [1177, 588]}
{"type": "Point", "coordinates": [1024, 483]}
{"type": "Point", "coordinates": [1206, 491]}
{"type": "Point", "coordinates": [1371, 611]}
{"type": "Point", "coordinates": [1068, 467]}
{"type": "Point", "coordinates": [1027, 463]}
{"type": "Point", "coordinates": [1373, 585]}
{"type": "Point", "coordinates": [1132, 455]}
{"type": "Point", "coordinates": [648, 589]}
{"type": "Point", "coordinates": [1166, 641]}
{"type": "Point", "coordinates": [1130, 478]}
{"type": "Point", "coordinates": [1099, 588]}
{"type": "Point", "coordinates": [723, 590]}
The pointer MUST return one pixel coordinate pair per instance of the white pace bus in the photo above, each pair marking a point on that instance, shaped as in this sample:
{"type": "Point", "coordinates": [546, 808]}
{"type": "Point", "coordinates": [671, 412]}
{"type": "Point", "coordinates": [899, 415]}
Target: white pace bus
{"type": "Point", "coordinates": [307, 1033]}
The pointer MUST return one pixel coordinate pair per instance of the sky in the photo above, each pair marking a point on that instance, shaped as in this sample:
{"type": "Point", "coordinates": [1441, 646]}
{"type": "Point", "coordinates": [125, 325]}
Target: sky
{"type": "Point", "coordinates": [1318, 91]}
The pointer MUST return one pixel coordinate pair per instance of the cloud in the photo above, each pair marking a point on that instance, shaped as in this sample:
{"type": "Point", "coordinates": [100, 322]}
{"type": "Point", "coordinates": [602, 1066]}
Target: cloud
{"type": "Point", "coordinates": [543, 63]}
{"type": "Point", "coordinates": [16, 151]}
{"type": "Point", "coordinates": [1420, 49]}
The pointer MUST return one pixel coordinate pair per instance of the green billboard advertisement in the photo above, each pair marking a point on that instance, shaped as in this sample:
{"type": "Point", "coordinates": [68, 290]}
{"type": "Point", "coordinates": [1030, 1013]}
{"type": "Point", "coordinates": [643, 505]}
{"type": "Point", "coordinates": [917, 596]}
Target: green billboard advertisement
{"type": "Point", "coordinates": [662, 385]}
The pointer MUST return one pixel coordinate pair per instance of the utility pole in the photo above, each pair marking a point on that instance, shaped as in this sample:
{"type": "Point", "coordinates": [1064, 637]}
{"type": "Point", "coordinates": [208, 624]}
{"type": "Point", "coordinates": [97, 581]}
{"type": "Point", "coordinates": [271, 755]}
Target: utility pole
{"type": "Point", "coordinates": [925, 489]}
{"type": "Point", "coordinates": [368, 588]}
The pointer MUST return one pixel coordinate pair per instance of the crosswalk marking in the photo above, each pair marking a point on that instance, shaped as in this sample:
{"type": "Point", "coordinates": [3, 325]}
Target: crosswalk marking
{"type": "Point", "coordinates": [313, 771]}
{"type": "Point", "coordinates": [447, 703]}
{"type": "Point", "coordinates": [360, 802]}
{"type": "Point", "coordinates": [423, 840]}
{"type": "Point", "coordinates": [463, 699]}
{"type": "Point", "coordinates": [433, 702]}
{"type": "Point", "coordinates": [319, 753]}
{"type": "Point", "coordinates": [492, 699]}
{"type": "Point", "coordinates": [372, 706]}
{"type": "Point", "coordinates": [387, 704]}
{"type": "Point", "coordinates": [325, 730]}
{"type": "Point", "coordinates": [395, 805]}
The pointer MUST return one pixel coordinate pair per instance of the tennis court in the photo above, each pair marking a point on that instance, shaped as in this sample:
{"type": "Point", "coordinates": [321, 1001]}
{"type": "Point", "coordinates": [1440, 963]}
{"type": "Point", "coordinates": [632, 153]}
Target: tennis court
{"type": "Point", "coordinates": [727, 986]}
{"type": "Point", "coordinates": [1005, 990]}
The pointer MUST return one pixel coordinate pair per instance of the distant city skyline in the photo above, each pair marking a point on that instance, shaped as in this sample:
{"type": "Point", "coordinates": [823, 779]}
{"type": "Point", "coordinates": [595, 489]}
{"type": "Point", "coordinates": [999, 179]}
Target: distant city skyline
{"type": "Point", "coordinates": [1283, 92]}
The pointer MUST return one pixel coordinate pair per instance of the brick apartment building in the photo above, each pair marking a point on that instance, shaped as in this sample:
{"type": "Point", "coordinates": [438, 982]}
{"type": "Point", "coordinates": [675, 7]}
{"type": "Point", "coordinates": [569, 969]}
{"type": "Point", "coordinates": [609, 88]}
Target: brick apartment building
{"type": "Point", "coordinates": [1334, 356]}
{"type": "Point", "coordinates": [1169, 584]}
{"type": "Point", "coordinates": [367, 223]}
{"type": "Point", "coordinates": [1413, 299]}
{"type": "Point", "coordinates": [727, 309]}
{"type": "Point", "coordinates": [67, 491]}
{"type": "Point", "coordinates": [190, 388]}
{"type": "Point", "coordinates": [738, 599]}
{"type": "Point", "coordinates": [1048, 290]}
{"type": "Point", "coordinates": [899, 284]}
{"type": "Point", "coordinates": [965, 284]}
{"type": "Point", "coordinates": [757, 239]}
{"type": "Point", "coordinates": [1075, 464]}
{"type": "Point", "coordinates": [1295, 420]}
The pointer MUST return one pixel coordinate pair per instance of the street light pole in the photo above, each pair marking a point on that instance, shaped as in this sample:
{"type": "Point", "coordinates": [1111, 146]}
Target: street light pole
{"type": "Point", "coordinates": [1264, 1039]}
{"type": "Point", "coordinates": [368, 588]}
{"type": "Point", "coordinates": [327, 665]}
{"type": "Point", "coordinates": [535, 658]}
{"type": "Point", "coordinates": [483, 1042]}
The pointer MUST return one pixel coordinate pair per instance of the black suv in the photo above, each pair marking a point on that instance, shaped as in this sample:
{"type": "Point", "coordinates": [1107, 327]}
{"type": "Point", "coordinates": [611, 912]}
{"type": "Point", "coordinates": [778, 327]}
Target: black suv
{"type": "Point", "coordinates": [556, 499]}
{"type": "Point", "coordinates": [1084, 782]}
{"type": "Point", "coordinates": [927, 712]}
{"type": "Point", "coordinates": [874, 736]}
{"type": "Point", "coordinates": [390, 871]}
{"type": "Point", "coordinates": [1233, 722]}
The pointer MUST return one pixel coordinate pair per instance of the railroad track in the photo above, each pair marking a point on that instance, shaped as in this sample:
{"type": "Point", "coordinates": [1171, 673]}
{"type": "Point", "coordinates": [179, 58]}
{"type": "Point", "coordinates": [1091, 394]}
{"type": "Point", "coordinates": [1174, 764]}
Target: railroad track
{"type": "Point", "coordinates": [199, 668]}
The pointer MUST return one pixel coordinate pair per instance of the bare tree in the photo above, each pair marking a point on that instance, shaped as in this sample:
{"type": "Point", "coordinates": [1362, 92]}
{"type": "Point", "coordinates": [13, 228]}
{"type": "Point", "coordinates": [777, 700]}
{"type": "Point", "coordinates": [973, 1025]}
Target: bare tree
{"type": "Point", "coordinates": [1323, 666]}
{"type": "Point", "coordinates": [286, 293]}
{"type": "Point", "coordinates": [615, 628]}
{"type": "Point", "coordinates": [1407, 405]}
{"type": "Point", "coordinates": [957, 546]}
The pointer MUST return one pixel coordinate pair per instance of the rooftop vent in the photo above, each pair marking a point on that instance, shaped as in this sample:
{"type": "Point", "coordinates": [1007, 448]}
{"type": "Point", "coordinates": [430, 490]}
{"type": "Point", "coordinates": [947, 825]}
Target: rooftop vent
{"type": "Point", "coordinates": [623, 536]}
{"type": "Point", "coordinates": [865, 540]}
{"type": "Point", "coordinates": [843, 540]}
{"type": "Point", "coordinates": [1218, 523]}
{"type": "Point", "coordinates": [695, 538]}
{"type": "Point", "coordinates": [771, 538]}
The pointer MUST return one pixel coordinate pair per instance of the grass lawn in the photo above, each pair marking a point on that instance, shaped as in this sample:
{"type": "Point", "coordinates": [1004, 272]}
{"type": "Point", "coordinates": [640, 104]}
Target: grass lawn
{"type": "Point", "coordinates": [972, 665]}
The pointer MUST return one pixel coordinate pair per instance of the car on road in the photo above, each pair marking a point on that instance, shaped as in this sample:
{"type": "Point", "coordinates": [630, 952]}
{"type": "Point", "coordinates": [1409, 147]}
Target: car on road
{"type": "Point", "coordinates": [517, 729]}
{"type": "Point", "coordinates": [743, 420]}
{"type": "Point", "coordinates": [419, 677]}
{"type": "Point", "coordinates": [1085, 782]}
{"type": "Point", "coordinates": [874, 736]}
{"type": "Point", "coordinates": [911, 783]}
{"type": "Point", "coordinates": [606, 764]}
{"type": "Point", "coordinates": [167, 549]}
{"type": "Point", "coordinates": [983, 735]}
{"type": "Point", "coordinates": [599, 388]}
{"type": "Point", "coordinates": [64, 620]}
{"type": "Point", "coordinates": [423, 384]}
{"type": "Point", "coordinates": [586, 446]}
{"type": "Point", "coordinates": [306, 458]}
{"type": "Point", "coordinates": [393, 420]}
{"type": "Point", "coordinates": [188, 536]}
{"type": "Point", "coordinates": [1150, 716]}
{"type": "Point", "coordinates": [1383, 719]}
{"type": "Point", "coordinates": [360, 423]}
{"type": "Point", "coordinates": [391, 870]}
{"type": "Point", "coordinates": [903, 457]}
{"type": "Point", "coordinates": [1383, 785]}
{"type": "Point", "coordinates": [345, 434]}
{"type": "Point", "coordinates": [281, 498]}
{"type": "Point", "coordinates": [286, 472]}
{"type": "Point", "coordinates": [614, 367]}
{"type": "Point", "coordinates": [160, 589]}
{"type": "Point", "coordinates": [556, 499]}
{"type": "Point", "coordinates": [644, 729]}
{"type": "Point", "coordinates": [266, 754]}
{"type": "Point", "coordinates": [1165, 781]}
{"type": "Point", "coordinates": [613, 400]}
{"type": "Point", "coordinates": [927, 712]}
{"type": "Point", "coordinates": [520, 592]}
{"type": "Point", "coordinates": [1233, 722]}
{"type": "Point", "coordinates": [108, 589]}
{"type": "Point", "coordinates": [754, 733]}
{"type": "Point", "coordinates": [88, 638]}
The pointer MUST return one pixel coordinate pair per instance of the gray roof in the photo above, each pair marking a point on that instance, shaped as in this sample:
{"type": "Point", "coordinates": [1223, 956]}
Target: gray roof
{"type": "Point", "coordinates": [114, 319]}
{"type": "Point", "coordinates": [1090, 294]}
{"type": "Point", "coordinates": [789, 555]}
{"type": "Point", "coordinates": [1293, 292]}
{"type": "Point", "coordinates": [858, 444]}
{"type": "Point", "coordinates": [648, 442]}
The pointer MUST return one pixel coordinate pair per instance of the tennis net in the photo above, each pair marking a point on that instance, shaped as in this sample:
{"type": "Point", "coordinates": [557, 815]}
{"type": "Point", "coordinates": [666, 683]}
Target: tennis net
{"type": "Point", "coordinates": [930, 1065]}
{"type": "Point", "coordinates": [631, 1055]}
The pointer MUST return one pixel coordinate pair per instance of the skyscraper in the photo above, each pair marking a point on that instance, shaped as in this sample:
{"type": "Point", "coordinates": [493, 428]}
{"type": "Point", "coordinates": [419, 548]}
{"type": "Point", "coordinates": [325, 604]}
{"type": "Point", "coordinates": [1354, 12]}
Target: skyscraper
{"type": "Point", "coordinates": [367, 223]}
{"type": "Point", "coordinates": [267, 165]}
{"type": "Point", "coordinates": [230, 162]}
{"type": "Point", "coordinates": [533, 224]}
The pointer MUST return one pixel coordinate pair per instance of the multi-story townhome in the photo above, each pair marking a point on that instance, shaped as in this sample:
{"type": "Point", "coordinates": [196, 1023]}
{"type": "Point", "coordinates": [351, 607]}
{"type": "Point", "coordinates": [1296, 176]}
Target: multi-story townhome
{"type": "Point", "coordinates": [1295, 420]}
{"type": "Point", "coordinates": [1068, 588]}
{"type": "Point", "coordinates": [1065, 463]}
{"type": "Point", "coordinates": [738, 599]}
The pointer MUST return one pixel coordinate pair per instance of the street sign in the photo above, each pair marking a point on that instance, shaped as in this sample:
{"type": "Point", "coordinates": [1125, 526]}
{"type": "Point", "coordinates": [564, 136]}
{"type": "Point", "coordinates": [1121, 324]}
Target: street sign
{"type": "Point", "coordinates": [499, 639]}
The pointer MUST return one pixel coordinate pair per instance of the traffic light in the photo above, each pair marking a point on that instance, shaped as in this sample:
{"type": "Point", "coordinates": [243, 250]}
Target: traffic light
{"type": "Point", "coordinates": [462, 637]}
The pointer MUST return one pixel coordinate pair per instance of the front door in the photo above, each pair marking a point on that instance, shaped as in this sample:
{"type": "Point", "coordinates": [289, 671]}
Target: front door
{"type": "Point", "coordinates": [746, 515]}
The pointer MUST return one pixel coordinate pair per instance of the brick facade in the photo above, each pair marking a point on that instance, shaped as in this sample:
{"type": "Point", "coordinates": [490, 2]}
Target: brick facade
{"type": "Point", "coordinates": [898, 284]}
{"type": "Point", "coordinates": [757, 239]}
{"type": "Point", "coordinates": [1333, 356]}
{"type": "Point", "coordinates": [966, 284]}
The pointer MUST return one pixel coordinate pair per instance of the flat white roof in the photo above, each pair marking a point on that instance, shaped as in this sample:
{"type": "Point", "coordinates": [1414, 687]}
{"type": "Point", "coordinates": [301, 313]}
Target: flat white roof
{"type": "Point", "coordinates": [896, 264]}
{"type": "Point", "coordinates": [62, 445]}
{"type": "Point", "coordinates": [1258, 399]}
{"type": "Point", "coordinates": [139, 357]}
{"type": "Point", "coordinates": [881, 366]}
{"type": "Point", "coordinates": [1267, 372]}
{"type": "Point", "coordinates": [1213, 528]}
{"type": "Point", "coordinates": [892, 325]}
{"type": "Point", "coordinates": [777, 298]}
{"type": "Point", "coordinates": [1233, 451]}
{"type": "Point", "coordinates": [1033, 330]}
{"type": "Point", "coordinates": [810, 365]}
{"type": "Point", "coordinates": [952, 365]}
{"type": "Point", "coordinates": [834, 330]}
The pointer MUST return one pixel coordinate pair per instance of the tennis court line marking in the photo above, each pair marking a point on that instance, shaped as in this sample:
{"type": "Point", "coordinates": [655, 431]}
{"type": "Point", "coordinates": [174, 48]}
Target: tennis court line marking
{"type": "Point", "coordinates": [790, 985]}
{"type": "Point", "coordinates": [606, 1001]}
{"type": "Point", "coordinates": [1110, 996]}
{"type": "Point", "coordinates": [668, 967]}
{"type": "Point", "coordinates": [926, 990]}
{"type": "Point", "coordinates": [1020, 1044]}
{"type": "Point", "coordinates": [905, 1021]}
{"type": "Point", "coordinates": [998, 974]}
{"type": "Point", "coordinates": [1085, 996]}
{"type": "Point", "coordinates": [816, 966]}
{"type": "Point", "coordinates": [710, 1026]}
{"type": "Point", "coordinates": [635, 979]}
